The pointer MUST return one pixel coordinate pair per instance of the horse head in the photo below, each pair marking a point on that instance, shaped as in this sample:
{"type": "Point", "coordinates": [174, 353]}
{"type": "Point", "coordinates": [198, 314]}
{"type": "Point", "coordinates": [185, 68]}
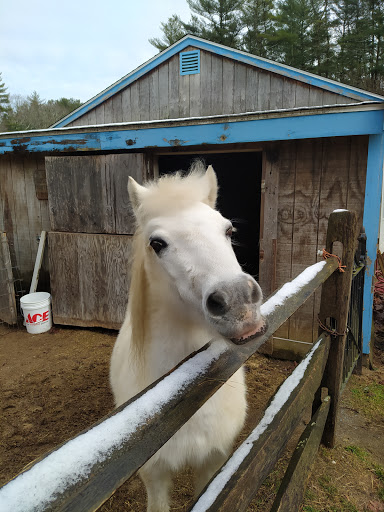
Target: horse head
{"type": "Point", "coordinates": [189, 255]}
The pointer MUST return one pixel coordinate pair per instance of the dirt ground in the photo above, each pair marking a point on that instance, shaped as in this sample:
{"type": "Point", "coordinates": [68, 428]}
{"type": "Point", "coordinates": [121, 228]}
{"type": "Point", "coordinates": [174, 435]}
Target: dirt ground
{"type": "Point", "coordinates": [54, 385]}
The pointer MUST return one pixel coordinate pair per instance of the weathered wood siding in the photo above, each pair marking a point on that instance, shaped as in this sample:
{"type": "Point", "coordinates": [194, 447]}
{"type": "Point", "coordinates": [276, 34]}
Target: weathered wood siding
{"type": "Point", "coordinates": [90, 249]}
{"type": "Point", "coordinates": [88, 194]}
{"type": "Point", "coordinates": [89, 278]}
{"type": "Point", "coordinates": [23, 210]}
{"type": "Point", "coordinates": [223, 86]}
{"type": "Point", "coordinates": [315, 178]}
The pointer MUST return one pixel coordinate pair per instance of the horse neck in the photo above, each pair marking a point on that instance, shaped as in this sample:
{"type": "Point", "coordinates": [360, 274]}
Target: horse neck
{"type": "Point", "coordinates": [160, 322]}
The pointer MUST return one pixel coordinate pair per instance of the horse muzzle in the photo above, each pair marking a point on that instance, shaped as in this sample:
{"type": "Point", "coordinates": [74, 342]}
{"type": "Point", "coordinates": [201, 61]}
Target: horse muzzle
{"type": "Point", "coordinates": [233, 308]}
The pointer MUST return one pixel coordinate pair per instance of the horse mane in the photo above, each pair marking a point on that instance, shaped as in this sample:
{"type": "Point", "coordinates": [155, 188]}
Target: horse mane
{"type": "Point", "coordinates": [137, 301]}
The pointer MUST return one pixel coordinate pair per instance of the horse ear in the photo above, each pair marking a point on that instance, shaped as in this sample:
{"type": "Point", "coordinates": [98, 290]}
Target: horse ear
{"type": "Point", "coordinates": [211, 179]}
{"type": "Point", "coordinates": [136, 193]}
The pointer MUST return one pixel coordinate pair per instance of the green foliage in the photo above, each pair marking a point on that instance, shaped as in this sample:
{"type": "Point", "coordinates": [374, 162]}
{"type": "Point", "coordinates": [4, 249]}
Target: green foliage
{"type": "Point", "coordinates": [34, 113]}
{"type": "Point", "coordinates": [173, 30]}
{"type": "Point", "coordinates": [338, 39]}
{"type": "Point", "coordinates": [360, 454]}
{"type": "Point", "coordinates": [369, 400]}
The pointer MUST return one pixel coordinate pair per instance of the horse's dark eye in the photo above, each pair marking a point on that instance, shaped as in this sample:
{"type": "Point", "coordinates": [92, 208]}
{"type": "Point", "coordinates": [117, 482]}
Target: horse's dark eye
{"type": "Point", "coordinates": [229, 232]}
{"type": "Point", "coordinates": [157, 244]}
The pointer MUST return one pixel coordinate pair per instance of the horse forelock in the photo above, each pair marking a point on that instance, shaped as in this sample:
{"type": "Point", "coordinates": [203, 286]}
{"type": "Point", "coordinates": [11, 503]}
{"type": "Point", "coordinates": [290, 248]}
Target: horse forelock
{"type": "Point", "coordinates": [173, 192]}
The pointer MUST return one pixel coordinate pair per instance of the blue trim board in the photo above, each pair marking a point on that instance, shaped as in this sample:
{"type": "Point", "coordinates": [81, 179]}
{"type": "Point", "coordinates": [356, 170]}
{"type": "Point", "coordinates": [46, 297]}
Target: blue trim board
{"type": "Point", "coordinates": [224, 51]}
{"type": "Point", "coordinates": [367, 122]}
{"type": "Point", "coordinates": [371, 221]}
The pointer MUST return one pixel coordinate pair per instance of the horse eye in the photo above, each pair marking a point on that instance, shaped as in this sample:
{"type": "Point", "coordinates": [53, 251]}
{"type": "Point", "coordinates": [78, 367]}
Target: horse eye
{"type": "Point", "coordinates": [157, 244]}
{"type": "Point", "coordinates": [229, 232]}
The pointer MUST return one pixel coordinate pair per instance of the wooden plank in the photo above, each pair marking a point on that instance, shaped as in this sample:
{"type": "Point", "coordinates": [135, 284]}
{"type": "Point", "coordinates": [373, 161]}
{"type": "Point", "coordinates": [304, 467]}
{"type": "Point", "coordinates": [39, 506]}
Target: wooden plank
{"type": "Point", "coordinates": [316, 96]}
{"type": "Point", "coordinates": [89, 278]}
{"type": "Point", "coordinates": [276, 93]}
{"type": "Point", "coordinates": [184, 97]}
{"type": "Point", "coordinates": [8, 311]}
{"type": "Point", "coordinates": [26, 253]}
{"type": "Point", "coordinates": [89, 193]}
{"type": "Point", "coordinates": [144, 98]}
{"type": "Point", "coordinates": [292, 488]}
{"type": "Point", "coordinates": [335, 296]}
{"type": "Point", "coordinates": [302, 95]}
{"type": "Point", "coordinates": [163, 91]}
{"type": "Point", "coordinates": [206, 82]}
{"type": "Point", "coordinates": [117, 109]}
{"type": "Point", "coordinates": [195, 95]}
{"type": "Point", "coordinates": [173, 94]}
{"type": "Point", "coordinates": [228, 86]}
{"type": "Point", "coordinates": [289, 93]}
{"type": "Point", "coordinates": [239, 91]}
{"type": "Point", "coordinates": [126, 104]}
{"type": "Point", "coordinates": [244, 473]}
{"type": "Point", "coordinates": [217, 85]}
{"type": "Point", "coordinates": [357, 175]}
{"type": "Point", "coordinates": [38, 262]}
{"type": "Point", "coordinates": [108, 111]}
{"type": "Point", "coordinates": [268, 221]}
{"type": "Point", "coordinates": [251, 90]}
{"type": "Point", "coordinates": [119, 167]}
{"type": "Point", "coordinates": [154, 101]}
{"type": "Point", "coordinates": [221, 360]}
{"type": "Point", "coordinates": [135, 101]}
{"type": "Point", "coordinates": [264, 90]}
{"type": "Point", "coordinates": [100, 117]}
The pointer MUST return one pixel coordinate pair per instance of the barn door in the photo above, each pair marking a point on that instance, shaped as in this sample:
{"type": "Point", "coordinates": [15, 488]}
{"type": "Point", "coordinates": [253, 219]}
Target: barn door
{"type": "Point", "coordinates": [90, 241]}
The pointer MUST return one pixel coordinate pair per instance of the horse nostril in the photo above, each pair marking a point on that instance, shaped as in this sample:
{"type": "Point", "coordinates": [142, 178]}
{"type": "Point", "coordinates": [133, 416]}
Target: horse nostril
{"type": "Point", "coordinates": [217, 304]}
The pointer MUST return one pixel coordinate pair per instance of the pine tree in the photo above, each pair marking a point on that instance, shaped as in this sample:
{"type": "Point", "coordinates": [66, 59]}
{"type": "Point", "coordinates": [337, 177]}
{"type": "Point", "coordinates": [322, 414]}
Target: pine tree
{"type": "Point", "coordinates": [258, 19]}
{"type": "Point", "coordinates": [4, 97]}
{"type": "Point", "coordinates": [173, 30]}
{"type": "Point", "coordinates": [293, 27]}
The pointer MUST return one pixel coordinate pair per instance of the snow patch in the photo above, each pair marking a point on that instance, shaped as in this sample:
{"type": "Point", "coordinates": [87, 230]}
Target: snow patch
{"type": "Point", "coordinates": [291, 288]}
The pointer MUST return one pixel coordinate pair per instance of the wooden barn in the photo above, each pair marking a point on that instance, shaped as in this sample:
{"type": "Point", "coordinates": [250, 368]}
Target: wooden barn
{"type": "Point", "coordinates": [288, 147]}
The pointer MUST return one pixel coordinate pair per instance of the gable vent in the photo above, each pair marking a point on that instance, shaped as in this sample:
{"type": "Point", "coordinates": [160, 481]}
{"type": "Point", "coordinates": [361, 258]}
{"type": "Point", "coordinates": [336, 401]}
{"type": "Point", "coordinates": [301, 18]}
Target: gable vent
{"type": "Point", "coordinates": [190, 62]}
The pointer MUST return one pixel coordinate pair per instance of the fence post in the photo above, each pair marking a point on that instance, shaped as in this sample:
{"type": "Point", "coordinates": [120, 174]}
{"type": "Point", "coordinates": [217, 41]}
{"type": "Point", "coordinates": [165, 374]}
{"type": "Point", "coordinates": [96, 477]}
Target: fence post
{"type": "Point", "coordinates": [334, 307]}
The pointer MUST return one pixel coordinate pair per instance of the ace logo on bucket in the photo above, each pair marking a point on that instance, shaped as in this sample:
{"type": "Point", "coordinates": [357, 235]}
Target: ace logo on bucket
{"type": "Point", "coordinates": [37, 318]}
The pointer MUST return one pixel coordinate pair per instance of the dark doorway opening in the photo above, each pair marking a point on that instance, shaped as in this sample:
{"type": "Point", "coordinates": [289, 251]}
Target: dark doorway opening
{"type": "Point", "coordinates": [239, 177]}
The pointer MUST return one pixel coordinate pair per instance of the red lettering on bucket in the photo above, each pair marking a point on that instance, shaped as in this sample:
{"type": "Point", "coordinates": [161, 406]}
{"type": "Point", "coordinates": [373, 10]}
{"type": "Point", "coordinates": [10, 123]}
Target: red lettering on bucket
{"type": "Point", "coordinates": [37, 318]}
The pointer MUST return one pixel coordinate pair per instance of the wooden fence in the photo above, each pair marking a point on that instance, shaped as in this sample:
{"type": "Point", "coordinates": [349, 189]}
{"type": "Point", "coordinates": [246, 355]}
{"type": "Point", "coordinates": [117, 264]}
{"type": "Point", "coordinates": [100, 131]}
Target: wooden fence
{"type": "Point", "coordinates": [81, 474]}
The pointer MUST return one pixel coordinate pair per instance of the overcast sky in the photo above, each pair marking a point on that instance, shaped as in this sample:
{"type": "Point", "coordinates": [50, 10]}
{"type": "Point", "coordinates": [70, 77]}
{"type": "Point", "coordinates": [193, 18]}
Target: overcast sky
{"type": "Point", "coordinates": [77, 48]}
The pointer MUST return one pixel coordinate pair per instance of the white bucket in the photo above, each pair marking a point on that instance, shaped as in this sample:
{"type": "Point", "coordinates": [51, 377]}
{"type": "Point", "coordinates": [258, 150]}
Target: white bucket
{"type": "Point", "coordinates": [36, 310]}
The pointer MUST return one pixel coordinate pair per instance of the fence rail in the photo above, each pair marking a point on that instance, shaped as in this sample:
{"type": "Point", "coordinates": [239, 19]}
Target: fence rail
{"type": "Point", "coordinates": [89, 468]}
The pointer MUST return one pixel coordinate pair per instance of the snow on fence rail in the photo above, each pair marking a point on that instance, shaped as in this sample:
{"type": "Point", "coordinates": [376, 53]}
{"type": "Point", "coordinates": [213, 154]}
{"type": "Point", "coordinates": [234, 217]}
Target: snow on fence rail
{"type": "Point", "coordinates": [82, 473]}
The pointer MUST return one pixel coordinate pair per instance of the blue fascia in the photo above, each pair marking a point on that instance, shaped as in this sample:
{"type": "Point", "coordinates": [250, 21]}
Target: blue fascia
{"type": "Point", "coordinates": [223, 51]}
{"type": "Point", "coordinates": [371, 221]}
{"type": "Point", "coordinates": [368, 122]}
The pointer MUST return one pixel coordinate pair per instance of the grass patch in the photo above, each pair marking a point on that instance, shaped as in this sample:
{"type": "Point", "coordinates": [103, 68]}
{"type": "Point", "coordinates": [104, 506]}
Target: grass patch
{"type": "Point", "coordinates": [369, 399]}
{"type": "Point", "coordinates": [360, 454]}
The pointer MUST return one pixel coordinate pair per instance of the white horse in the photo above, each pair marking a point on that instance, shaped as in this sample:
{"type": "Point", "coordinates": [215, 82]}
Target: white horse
{"type": "Point", "coordinates": [186, 287]}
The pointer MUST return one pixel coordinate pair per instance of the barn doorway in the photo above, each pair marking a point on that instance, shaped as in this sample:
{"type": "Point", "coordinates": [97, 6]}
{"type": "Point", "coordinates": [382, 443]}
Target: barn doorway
{"type": "Point", "coordinates": [239, 177]}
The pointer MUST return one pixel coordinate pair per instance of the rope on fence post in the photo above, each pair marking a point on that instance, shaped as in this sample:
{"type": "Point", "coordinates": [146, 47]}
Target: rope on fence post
{"type": "Point", "coordinates": [335, 296]}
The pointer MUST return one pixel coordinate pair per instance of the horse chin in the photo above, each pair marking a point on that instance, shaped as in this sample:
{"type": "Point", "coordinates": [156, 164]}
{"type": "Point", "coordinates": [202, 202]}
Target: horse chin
{"type": "Point", "coordinates": [251, 333]}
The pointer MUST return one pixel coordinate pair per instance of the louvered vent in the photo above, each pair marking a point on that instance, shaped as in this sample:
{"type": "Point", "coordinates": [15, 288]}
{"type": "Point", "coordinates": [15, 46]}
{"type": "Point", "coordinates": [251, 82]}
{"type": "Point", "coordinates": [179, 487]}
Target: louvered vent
{"type": "Point", "coordinates": [190, 62]}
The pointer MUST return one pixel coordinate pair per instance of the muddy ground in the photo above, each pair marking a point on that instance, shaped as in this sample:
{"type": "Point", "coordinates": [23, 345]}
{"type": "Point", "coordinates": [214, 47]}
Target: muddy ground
{"type": "Point", "coordinates": [54, 385]}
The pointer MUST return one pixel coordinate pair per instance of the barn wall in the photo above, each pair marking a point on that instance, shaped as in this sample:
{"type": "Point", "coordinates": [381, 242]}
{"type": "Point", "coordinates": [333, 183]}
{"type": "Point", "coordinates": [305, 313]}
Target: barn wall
{"type": "Point", "coordinates": [223, 86]}
{"type": "Point", "coordinates": [315, 177]}
{"type": "Point", "coordinates": [23, 211]}
{"type": "Point", "coordinates": [91, 237]}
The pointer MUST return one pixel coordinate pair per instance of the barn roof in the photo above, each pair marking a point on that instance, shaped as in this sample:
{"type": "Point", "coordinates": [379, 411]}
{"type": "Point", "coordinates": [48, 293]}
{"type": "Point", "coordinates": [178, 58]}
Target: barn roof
{"type": "Point", "coordinates": [224, 51]}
